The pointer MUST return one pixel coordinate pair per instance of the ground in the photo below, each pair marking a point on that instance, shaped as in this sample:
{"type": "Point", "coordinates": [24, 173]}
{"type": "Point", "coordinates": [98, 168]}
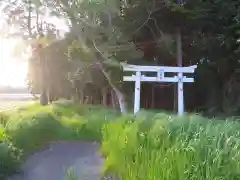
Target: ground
{"type": "Point", "coordinates": [53, 162]}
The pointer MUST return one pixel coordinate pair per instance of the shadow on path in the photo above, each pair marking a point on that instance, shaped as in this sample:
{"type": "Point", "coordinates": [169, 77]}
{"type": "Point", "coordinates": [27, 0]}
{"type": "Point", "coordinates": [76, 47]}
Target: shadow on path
{"type": "Point", "coordinates": [52, 163]}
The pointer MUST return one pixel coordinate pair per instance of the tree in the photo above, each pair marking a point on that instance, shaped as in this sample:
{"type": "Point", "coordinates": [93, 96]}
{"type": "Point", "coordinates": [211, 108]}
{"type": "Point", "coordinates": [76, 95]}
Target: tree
{"type": "Point", "coordinates": [29, 17]}
{"type": "Point", "coordinates": [91, 25]}
{"type": "Point", "coordinates": [104, 33]}
{"type": "Point", "coordinates": [207, 27]}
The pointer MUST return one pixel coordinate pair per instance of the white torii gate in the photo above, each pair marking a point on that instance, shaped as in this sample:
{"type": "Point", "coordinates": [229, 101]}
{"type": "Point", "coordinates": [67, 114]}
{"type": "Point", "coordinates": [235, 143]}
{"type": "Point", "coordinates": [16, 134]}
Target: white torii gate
{"type": "Point", "coordinates": [160, 77]}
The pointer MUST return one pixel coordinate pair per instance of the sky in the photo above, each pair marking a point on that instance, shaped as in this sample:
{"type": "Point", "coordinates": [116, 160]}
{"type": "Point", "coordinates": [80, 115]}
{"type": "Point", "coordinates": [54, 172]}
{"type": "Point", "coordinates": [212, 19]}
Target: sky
{"type": "Point", "coordinates": [13, 72]}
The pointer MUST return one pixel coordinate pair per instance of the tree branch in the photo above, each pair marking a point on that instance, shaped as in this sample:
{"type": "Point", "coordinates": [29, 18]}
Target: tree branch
{"type": "Point", "coordinates": [102, 67]}
{"type": "Point", "coordinates": [148, 18]}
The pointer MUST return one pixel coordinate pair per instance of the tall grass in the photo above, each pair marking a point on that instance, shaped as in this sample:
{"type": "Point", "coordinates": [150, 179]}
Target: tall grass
{"type": "Point", "coordinates": [173, 148]}
{"type": "Point", "coordinates": [152, 146]}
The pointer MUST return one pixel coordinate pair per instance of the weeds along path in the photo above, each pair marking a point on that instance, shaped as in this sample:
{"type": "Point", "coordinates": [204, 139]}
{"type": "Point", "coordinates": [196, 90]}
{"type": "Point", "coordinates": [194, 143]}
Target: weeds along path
{"type": "Point", "coordinates": [54, 162]}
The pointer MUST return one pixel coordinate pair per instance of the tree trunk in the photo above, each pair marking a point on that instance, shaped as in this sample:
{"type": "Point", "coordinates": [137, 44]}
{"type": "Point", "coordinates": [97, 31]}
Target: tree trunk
{"type": "Point", "coordinates": [121, 101]}
{"type": "Point", "coordinates": [81, 97]}
{"type": "Point", "coordinates": [104, 97]}
{"type": "Point", "coordinates": [75, 98]}
{"type": "Point", "coordinates": [44, 82]}
{"type": "Point", "coordinates": [44, 97]}
{"type": "Point", "coordinates": [153, 97]}
{"type": "Point", "coordinates": [113, 99]}
{"type": "Point", "coordinates": [119, 94]}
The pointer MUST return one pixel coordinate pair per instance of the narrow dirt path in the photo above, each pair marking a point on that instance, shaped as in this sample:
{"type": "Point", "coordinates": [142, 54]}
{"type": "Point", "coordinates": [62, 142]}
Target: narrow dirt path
{"type": "Point", "coordinates": [52, 163]}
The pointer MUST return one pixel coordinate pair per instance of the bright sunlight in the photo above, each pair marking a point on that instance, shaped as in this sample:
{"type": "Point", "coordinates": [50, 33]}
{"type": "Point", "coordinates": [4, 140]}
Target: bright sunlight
{"type": "Point", "coordinates": [13, 70]}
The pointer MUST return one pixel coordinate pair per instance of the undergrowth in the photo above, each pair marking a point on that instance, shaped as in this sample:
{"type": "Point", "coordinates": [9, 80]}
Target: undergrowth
{"type": "Point", "coordinates": [152, 146]}
{"type": "Point", "coordinates": [25, 130]}
{"type": "Point", "coordinates": [173, 148]}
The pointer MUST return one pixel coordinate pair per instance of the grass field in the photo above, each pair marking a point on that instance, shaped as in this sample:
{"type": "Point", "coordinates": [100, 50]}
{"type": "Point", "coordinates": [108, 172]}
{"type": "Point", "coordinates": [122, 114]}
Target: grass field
{"type": "Point", "coordinates": [6, 105]}
{"type": "Point", "coordinates": [13, 101]}
{"type": "Point", "coordinates": [150, 146]}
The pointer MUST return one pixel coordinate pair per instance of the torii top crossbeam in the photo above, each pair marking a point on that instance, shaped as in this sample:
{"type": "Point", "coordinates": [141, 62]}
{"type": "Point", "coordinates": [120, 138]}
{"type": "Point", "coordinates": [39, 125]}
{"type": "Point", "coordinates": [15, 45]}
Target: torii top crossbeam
{"type": "Point", "coordinates": [159, 77]}
{"type": "Point", "coordinates": [130, 67]}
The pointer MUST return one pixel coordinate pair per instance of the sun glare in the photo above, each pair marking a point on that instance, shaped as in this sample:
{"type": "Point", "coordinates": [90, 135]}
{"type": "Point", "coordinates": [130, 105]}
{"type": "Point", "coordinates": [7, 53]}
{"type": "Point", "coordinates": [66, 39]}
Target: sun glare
{"type": "Point", "coordinates": [13, 71]}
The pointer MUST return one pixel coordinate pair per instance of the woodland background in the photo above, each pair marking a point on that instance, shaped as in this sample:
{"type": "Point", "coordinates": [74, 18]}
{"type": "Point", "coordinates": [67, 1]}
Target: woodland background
{"type": "Point", "coordinates": [84, 64]}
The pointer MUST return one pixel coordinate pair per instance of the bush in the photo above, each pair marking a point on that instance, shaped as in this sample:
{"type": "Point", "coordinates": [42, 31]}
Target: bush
{"type": "Point", "coordinates": [9, 156]}
{"type": "Point", "coordinates": [173, 148]}
{"type": "Point", "coordinates": [31, 126]}
{"type": "Point", "coordinates": [31, 131]}
{"type": "Point", "coordinates": [34, 125]}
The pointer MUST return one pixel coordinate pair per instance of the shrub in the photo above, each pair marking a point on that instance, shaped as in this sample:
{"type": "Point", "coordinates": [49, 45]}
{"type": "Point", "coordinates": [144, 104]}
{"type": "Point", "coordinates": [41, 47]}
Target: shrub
{"type": "Point", "coordinates": [31, 126]}
{"type": "Point", "coordinates": [3, 119]}
{"type": "Point", "coordinates": [9, 156]}
{"type": "Point", "coordinates": [31, 131]}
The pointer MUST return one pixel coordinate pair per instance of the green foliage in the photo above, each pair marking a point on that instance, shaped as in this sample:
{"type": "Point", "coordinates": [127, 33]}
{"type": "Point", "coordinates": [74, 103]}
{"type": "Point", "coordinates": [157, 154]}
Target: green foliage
{"type": "Point", "coordinates": [9, 155]}
{"type": "Point", "coordinates": [146, 146]}
{"type": "Point", "coordinates": [70, 175]}
{"type": "Point", "coordinates": [25, 130]}
{"type": "Point", "coordinates": [115, 31]}
{"type": "Point", "coordinates": [95, 39]}
{"type": "Point", "coordinates": [58, 122]}
{"type": "Point", "coordinates": [172, 148]}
